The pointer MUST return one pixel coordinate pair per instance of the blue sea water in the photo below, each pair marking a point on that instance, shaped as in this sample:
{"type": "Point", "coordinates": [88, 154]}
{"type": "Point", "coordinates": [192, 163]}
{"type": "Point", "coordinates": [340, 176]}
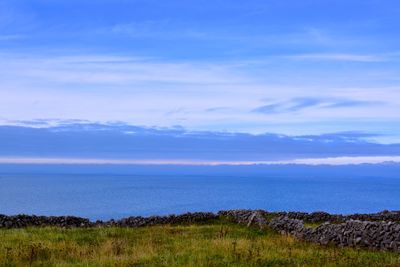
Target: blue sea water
{"type": "Point", "coordinates": [108, 195]}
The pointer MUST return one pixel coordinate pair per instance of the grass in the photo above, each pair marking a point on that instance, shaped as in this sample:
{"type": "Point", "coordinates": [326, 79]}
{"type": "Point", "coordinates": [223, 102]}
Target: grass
{"type": "Point", "coordinates": [217, 244]}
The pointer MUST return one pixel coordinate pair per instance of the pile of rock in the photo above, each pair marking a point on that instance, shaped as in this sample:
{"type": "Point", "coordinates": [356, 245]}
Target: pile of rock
{"type": "Point", "coordinates": [372, 235]}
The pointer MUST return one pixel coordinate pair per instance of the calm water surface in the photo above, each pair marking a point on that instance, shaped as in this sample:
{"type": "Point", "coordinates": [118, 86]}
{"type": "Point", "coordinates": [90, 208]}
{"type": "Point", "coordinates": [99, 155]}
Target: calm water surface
{"type": "Point", "coordinates": [116, 196]}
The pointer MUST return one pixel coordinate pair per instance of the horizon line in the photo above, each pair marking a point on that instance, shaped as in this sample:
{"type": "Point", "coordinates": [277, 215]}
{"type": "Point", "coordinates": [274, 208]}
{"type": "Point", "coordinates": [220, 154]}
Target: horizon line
{"type": "Point", "coordinates": [345, 160]}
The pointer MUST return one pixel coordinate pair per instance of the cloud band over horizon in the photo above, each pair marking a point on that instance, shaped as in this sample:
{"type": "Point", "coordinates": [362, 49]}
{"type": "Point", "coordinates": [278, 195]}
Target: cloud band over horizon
{"type": "Point", "coordinates": [89, 143]}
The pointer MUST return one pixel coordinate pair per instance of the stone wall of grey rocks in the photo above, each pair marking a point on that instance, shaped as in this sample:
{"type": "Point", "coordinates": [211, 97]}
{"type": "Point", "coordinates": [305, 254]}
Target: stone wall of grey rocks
{"type": "Point", "coordinates": [196, 217]}
{"type": "Point", "coordinates": [241, 216]}
{"type": "Point", "coordinates": [246, 217]}
{"type": "Point", "coordinates": [319, 217]}
{"type": "Point", "coordinates": [353, 233]}
{"type": "Point", "coordinates": [21, 221]}
{"type": "Point", "coordinates": [378, 235]}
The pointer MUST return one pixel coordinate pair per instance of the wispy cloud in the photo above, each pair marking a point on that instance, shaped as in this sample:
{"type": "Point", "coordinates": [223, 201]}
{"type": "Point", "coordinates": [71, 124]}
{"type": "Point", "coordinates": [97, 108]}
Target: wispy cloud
{"type": "Point", "coordinates": [217, 109]}
{"type": "Point", "coordinates": [292, 105]}
{"type": "Point", "coordinates": [298, 104]}
{"type": "Point", "coordinates": [353, 103]}
{"type": "Point", "coordinates": [213, 95]}
{"type": "Point", "coordinates": [341, 57]}
{"type": "Point", "coordinates": [112, 69]}
{"type": "Point", "coordinates": [155, 29]}
{"type": "Point", "coordinates": [301, 103]}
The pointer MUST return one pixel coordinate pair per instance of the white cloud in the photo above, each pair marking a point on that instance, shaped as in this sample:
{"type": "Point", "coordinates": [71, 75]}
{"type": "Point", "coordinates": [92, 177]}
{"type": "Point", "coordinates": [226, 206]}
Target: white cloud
{"type": "Point", "coordinates": [148, 91]}
{"type": "Point", "coordinates": [112, 70]}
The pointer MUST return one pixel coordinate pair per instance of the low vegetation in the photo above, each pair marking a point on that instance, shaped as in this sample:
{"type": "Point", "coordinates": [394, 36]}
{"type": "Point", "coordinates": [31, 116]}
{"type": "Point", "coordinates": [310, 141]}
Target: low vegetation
{"type": "Point", "coordinates": [216, 244]}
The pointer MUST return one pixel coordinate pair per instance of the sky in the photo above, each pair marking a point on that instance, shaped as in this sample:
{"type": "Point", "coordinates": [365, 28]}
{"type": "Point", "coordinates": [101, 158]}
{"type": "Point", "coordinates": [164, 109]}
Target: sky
{"type": "Point", "coordinates": [292, 69]}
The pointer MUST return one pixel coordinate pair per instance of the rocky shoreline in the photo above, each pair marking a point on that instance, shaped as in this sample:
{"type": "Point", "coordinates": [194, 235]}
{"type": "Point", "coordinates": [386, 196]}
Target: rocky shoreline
{"type": "Point", "coordinates": [378, 231]}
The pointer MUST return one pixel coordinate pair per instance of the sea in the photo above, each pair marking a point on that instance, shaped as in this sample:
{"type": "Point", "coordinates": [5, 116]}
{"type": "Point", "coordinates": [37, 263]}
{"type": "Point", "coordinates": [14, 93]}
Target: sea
{"type": "Point", "coordinates": [105, 192]}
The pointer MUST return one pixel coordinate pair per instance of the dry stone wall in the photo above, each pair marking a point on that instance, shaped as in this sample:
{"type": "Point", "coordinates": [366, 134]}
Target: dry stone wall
{"type": "Point", "coordinates": [373, 235]}
{"type": "Point", "coordinates": [380, 231]}
{"type": "Point", "coordinates": [246, 217]}
{"type": "Point", "coordinates": [378, 234]}
{"type": "Point", "coordinates": [20, 221]}
{"type": "Point", "coordinates": [319, 217]}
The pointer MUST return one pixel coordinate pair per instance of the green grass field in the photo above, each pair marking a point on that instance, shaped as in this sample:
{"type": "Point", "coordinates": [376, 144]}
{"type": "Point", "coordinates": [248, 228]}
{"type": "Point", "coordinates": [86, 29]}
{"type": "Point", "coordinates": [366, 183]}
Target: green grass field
{"type": "Point", "coordinates": [218, 244]}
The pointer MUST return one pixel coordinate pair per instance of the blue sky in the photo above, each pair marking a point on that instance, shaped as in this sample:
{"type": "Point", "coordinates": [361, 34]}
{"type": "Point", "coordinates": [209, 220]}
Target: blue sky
{"type": "Point", "coordinates": [284, 67]}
